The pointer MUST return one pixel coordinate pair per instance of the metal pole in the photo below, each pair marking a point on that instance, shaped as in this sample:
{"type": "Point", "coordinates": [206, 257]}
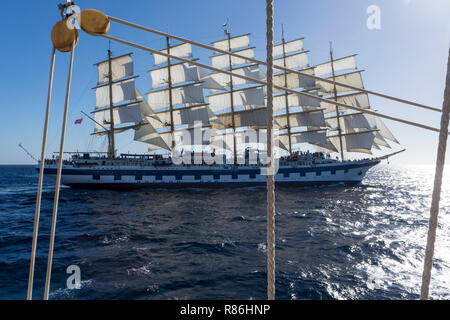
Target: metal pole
{"type": "Point", "coordinates": [41, 179]}
{"type": "Point", "coordinates": [58, 179]}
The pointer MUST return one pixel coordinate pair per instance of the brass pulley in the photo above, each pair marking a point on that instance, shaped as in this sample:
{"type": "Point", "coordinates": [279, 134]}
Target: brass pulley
{"type": "Point", "coordinates": [64, 35]}
{"type": "Point", "coordinates": [94, 21]}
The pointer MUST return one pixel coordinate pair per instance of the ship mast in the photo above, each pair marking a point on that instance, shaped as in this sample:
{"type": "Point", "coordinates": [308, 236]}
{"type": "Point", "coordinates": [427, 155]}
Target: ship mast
{"type": "Point", "coordinates": [170, 95]}
{"type": "Point", "coordinates": [112, 148]}
{"type": "Point", "coordinates": [337, 107]}
{"type": "Point", "coordinates": [286, 93]}
{"type": "Point", "coordinates": [227, 32]}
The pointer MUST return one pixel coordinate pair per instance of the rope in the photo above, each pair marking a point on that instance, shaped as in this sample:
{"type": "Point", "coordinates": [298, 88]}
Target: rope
{"type": "Point", "coordinates": [332, 102]}
{"type": "Point", "coordinates": [270, 155]}
{"type": "Point", "coordinates": [41, 178]}
{"type": "Point", "coordinates": [58, 179]}
{"type": "Point", "coordinates": [278, 67]}
{"type": "Point", "coordinates": [434, 211]}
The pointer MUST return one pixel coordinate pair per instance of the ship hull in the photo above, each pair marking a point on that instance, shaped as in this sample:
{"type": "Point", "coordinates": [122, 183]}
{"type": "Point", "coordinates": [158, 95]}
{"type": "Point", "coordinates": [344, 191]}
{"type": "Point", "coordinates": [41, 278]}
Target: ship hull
{"type": "Point", "coordinates": [124, 177]}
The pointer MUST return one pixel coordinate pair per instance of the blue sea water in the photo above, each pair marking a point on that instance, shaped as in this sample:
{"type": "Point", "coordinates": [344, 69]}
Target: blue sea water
{"type": "Point", "coordinates": [361, 242]}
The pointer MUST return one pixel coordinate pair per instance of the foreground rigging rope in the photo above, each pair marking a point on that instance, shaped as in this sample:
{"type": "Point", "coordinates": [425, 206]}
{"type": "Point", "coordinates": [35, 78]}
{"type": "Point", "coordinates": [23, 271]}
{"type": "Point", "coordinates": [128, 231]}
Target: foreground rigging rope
{"type": "Point", "coordinates": [436, 197]}
{"type": "Point", "coordinates": [58, 179]}
{"type": "Point", "coordinates": [271, 158]}
{"type": "Point", "coordinates": [41, 175]}
{"type": "Point", "coordinates": [64, 38]}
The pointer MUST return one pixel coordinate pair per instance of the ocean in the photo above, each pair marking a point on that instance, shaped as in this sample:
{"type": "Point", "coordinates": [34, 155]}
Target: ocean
{"type": "Point", "coordinates": [361, 242]}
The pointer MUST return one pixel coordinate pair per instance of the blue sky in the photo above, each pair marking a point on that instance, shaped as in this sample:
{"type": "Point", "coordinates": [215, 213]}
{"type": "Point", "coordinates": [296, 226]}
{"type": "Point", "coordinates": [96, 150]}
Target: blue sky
{"type": "Point", "coordinates": [406, 58]}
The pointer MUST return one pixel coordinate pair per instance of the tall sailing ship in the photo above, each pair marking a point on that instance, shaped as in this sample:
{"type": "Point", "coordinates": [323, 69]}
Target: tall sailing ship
{"type": "Point", "coordinates": [209, 129]}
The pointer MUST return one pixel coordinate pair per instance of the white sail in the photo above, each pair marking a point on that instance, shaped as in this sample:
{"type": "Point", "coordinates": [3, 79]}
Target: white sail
{"type": "Point", "coordinates": [131, 113]}
{"type": "Point", "coordinates": [332, 123]}
{"type": "Point", "coordinates": [180, 95]}
{"type": "Point", "coordinates": [302, 119]}
{"type": "Point", "coordinates": [377, 123]}
{"type": "Point", "coordinates": [186, 116]}
{"type": "Point", "coordinates": [359, 100]}
{"type": "Point", "coordinates": [234, 43]}
{"type": "Point", "coordinates": [122, 67]}
{"type": "Point", "coordinates": [326, 147]}
{"type": "Point", "coordinates": [121, 91]}
{"type": "Point", "coordinates": [222, 101]}
{"type": "Point", "coordinates": [294, 80]}
{"type": "Point", "coordinates": [243, 139]}
{"type": "Point", "coordinates": [312, 137]}
{"type": "Point", "coordinates": [246, 118]}
{"type": "Point", "coordinates": [356, 120]}
{"type": "Point", "coordinates": [361, 142]}
{"type": "Point", "coordinates": [298, 60]}
{"type": "Point", "coordinates": [222, 61]}
{"type": "Point", "coordinates": [223, 80]}
{"type": "Point", "coordinates": [148, 134]}
{"type": "Point", "coordinates": [352, 79]}
{"type": "Point", "coordinates": [179, 73]}
{"type": "Point", "coordinates": [289, 47]}
{"type": "Point", "coordinates": [294, 100]}
{"type": "Point", "coordinates": [183, 50]}
{"type": "Point", "coordinates": [346, 63]}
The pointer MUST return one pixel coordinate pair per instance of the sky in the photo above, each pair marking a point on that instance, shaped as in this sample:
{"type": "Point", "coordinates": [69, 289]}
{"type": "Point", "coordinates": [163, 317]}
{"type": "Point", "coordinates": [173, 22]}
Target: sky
{"type": "Point", "coordinates": [407, 58]}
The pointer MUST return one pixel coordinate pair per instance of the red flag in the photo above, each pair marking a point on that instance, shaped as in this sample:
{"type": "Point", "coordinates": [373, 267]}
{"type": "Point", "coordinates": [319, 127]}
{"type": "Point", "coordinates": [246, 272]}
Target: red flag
{"type": "Point", "coordinates": [78, 121]}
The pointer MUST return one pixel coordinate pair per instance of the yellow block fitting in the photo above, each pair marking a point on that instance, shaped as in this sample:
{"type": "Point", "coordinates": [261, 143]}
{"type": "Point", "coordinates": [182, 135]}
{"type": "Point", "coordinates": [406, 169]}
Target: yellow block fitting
{"type": "Point", "coordinates": [94, 21]}
{"type": "Point", "coordinates": [64, 34]}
